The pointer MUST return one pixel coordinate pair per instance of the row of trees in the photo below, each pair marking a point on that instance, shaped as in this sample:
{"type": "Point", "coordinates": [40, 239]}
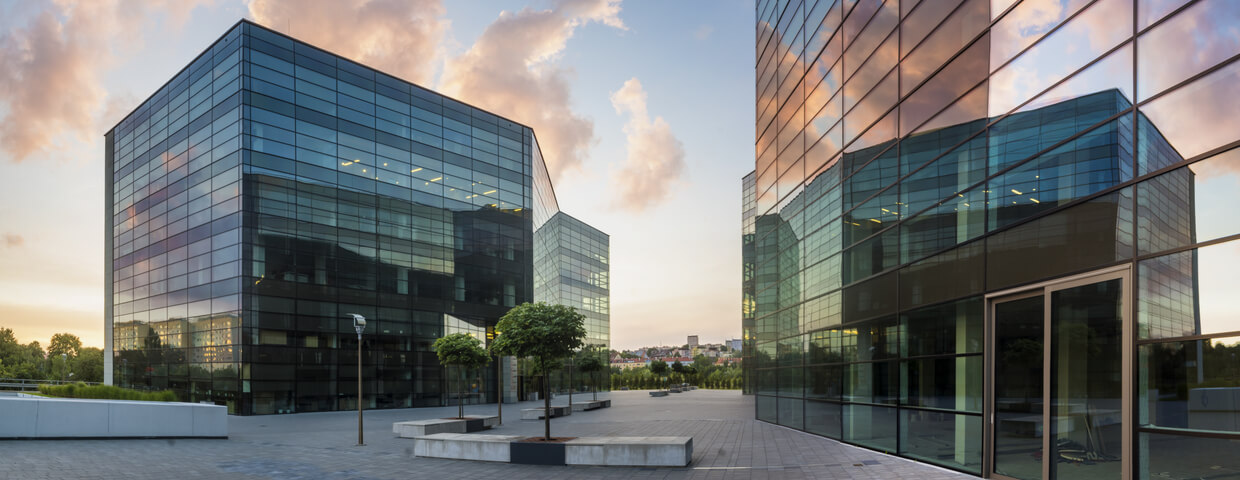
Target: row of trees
{"type": "Point", "coordinates": [703, 372]}
{"type": "Point", "coordinates": [64, 359]}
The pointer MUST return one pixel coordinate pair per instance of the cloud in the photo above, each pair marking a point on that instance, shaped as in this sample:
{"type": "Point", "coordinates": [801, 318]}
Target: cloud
{"type": "Point", "coordinates": [511, 70]}
{"type": "Point", "coordinates": [13, 240]}
{"type": "Point", "coordinates": [656, 157]}
{"type": "Point", "coordinates": [51, 69]}
{"type": "Point", "coordinates": [400, 37]}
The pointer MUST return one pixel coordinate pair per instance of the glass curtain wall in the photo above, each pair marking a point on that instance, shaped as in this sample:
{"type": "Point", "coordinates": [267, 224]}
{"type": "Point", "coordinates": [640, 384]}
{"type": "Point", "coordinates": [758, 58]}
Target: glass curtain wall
{"type": "Point", "coordinates": [913, 156]}
{"type": "Point", "coordinates": [270, 189]}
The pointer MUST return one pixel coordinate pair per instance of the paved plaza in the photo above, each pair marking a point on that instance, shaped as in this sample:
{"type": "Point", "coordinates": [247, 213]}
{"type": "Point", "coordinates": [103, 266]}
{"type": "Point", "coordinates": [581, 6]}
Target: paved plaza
{"type": "Point", "coordinates": [727, 444]}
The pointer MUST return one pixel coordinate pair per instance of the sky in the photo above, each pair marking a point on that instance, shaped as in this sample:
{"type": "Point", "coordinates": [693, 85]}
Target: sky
{"type": "Point", "coordinates": [644, 111]}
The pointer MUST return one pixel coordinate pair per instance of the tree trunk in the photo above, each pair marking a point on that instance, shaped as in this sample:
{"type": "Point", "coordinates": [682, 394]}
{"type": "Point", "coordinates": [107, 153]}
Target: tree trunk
{"type": "Point", "coordinates": [460, 396]}
{"type": "Point", "coordinates": [593, 388]}
{"type": "Point", "coordinates": [546, 405]}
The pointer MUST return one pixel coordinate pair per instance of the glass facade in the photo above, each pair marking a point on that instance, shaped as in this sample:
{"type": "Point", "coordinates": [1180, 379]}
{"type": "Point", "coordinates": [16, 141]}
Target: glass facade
{"type": "Point", "coordinates": [272, 188]}
{"type": "Point", "coordinates": [572, 267]}
{"type": "Point", "coordinates": [934, 179]}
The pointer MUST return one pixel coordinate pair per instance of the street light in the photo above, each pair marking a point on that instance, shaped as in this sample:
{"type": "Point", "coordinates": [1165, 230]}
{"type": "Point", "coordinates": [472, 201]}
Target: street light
{"type": "Point", "coordinates": [359, 324]}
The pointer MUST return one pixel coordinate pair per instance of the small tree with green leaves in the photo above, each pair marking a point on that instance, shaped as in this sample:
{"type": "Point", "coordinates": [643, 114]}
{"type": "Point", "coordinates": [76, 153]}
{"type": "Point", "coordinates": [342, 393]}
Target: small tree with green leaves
{"type": "Point", "coordinates": [590, 365]}
{"type": "Point", "coordinates": [658, 368]}
{"type": "Point", "coordinates": [466, 353]}
{"type": "Point", "coordinates": [545, 334]}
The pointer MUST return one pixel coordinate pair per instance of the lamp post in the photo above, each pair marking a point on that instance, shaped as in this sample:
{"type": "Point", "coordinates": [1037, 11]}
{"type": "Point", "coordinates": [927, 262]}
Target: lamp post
{"type": "Point", "coordinates": [359, 324]}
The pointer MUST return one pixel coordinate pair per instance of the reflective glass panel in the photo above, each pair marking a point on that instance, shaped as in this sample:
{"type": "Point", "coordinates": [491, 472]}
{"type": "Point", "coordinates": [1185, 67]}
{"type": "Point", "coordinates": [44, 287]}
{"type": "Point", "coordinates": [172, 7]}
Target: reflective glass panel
{"type": "Point", "coordinates": [1207, 29]}
{"type": "Point", "coordinates": [1025, 24]}
{"type": "Point", "coordinates": [1191, 384]}
{"type": "Point", "coordinates": [1019, 328]}
{"type": "Point", "coordinates": [1087, 36]}
{"type": "Point", "coordinates": [1180, 456]}
{"type": "Point", "coordinates": [1189, 293]}
{"type": "Point", "coordinates": [1199, 116]}
{"type": "Point", "coordinates": [951, 440]}
{"type": "Point", "coordinates": [872, 426]}
{"type": "Point", "coordinates": [1189, 204]}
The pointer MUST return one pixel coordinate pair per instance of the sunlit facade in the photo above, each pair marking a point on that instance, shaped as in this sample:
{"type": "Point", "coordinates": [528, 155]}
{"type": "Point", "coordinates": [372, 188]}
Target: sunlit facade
{"type": "Point", "coordinates": [997, 235]}
{"type": "Point", "coordinates": [269, 190]}
{"type": "Point", "coordinates": [572, 267]}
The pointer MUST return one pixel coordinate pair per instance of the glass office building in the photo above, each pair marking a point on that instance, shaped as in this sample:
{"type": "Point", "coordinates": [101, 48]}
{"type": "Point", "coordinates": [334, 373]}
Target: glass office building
{"type": "Point", "coordinates": [269, 190]}
{"type": "Point", "coordinates": [997, 235]}
{"type": "Point", "coordinates": [572, 267]}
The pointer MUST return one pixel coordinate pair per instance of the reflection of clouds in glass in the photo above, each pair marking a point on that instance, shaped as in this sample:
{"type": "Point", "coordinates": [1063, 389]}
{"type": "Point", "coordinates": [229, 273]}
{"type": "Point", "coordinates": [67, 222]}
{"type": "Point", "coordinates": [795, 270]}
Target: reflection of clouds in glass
{"type": "Point", "coordinates": [1220, 307]}
{"type": "Point", "coordinates": [1215, 191]}
{"type": "Point", "coordinates": [1149, 11]}
{"type": "Point", "coordinates": [1104, 25]}
{"type": "Point", "coordinates": [1196, 39]}
{"type": "Point", "coordinates": [1201, 115]}
{"type": "Point", "coordinates": [1113, 72]}
{"type": "Point", "coordinates": [1025, 24]}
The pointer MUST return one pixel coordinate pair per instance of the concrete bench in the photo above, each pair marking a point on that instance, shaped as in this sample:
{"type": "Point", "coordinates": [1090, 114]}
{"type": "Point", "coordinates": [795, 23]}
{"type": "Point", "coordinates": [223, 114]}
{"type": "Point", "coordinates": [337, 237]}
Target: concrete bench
{"type": "Point", "coordinates": [421, 428]}
{"type": "Point", "coordinates": [461, 446]}
{"type": "Point", "coordinates": [41, 417]}
{"type": "Point", "coordinates": [591, 405]}
{"type": "Point", "coordinates": [537, 413]}
{"type": "Point", "coordinates": [630, 451]}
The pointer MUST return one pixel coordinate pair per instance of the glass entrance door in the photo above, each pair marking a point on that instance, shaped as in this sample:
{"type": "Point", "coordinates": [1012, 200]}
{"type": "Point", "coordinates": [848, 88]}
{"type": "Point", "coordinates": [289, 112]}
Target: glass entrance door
{"type": "Point", "coordinates": [1059, 381]}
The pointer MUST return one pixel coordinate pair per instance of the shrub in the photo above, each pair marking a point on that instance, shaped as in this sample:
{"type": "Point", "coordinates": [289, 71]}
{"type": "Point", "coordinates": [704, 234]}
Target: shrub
{"type": "Point", "coordinates": [105, 392]}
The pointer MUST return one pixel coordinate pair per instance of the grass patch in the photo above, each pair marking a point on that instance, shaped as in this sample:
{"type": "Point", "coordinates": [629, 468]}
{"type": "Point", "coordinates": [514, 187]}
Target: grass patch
{"type": "Point", "coordinates": [105, 392]}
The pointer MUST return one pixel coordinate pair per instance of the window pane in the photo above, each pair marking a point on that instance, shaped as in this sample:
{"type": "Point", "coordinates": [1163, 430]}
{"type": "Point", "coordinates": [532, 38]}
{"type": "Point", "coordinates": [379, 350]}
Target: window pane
{"type": "Point", "coordinates": [1189, 204]}
{"type": "Point", "coordinates": [1199, 116]}
{"type": "Point", "coordinates": [944, 329]}
{"type": "Point", "coordinates": [956, 78]}
{"type": "Point", "coordinates": [951, 440]}
{"type": "Point", "coordinates": [1193, 385]}
{"type": "Point", "coordinates": [1189, 293]}
{"type": "Point", "coordinates": [1094, 233]}
{"type": "Point", "coordinates": [874, 427]}
{"type": "Point", "coordinates": [951, 383]}
{"type": "Point", "coordinates": [1207, 29]}
{"type": "Point", "coordinates": [823, 418]}
{"type": "Point", "coordinates": [947, 39]}
{"type": "Point", "coordinates": [1086, 165]}
{"type": "Point", "coordinates": [1176, 456]}
{"type": "Point", "coordinates": [1025, 24]}
{"type": "Point", "coordinates": [1103, 25]}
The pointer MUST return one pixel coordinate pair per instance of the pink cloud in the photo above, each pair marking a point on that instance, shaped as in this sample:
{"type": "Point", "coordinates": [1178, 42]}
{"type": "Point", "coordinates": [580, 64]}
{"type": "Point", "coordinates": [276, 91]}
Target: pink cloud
{"type": "Point", "coordinates": [511, 70]}
{"type": "Point", "coordinates": [13, 240]}
{"type": "Point", "coordinates": [400, 37]}
{"type": "Point", "coordinates": [51, 69]}
{"type": "Point", "coordinates": [656, 159]}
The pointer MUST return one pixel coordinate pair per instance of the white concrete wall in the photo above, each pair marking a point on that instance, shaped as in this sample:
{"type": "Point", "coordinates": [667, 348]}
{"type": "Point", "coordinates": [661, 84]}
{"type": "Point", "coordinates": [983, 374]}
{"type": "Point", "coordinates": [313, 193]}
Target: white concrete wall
{"type": "Point", "coordinates": [55, 417]}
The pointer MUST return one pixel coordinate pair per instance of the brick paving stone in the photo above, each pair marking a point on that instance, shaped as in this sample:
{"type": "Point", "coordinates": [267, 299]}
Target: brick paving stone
{"type": "Point", "coordinates": [728, 444]}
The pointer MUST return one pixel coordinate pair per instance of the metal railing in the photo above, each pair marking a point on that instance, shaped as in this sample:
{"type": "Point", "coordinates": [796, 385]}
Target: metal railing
{"type": "Point", "coordinates": [28, 385]}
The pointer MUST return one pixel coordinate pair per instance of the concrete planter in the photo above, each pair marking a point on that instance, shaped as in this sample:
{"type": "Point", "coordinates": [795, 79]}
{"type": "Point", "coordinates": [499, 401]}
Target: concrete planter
{"type": "Point", "coordinates": [421, 428]}
{"type": "Point", "coordinates": [537, 453]}
{"type": "Point", "coordinates": [603, 451]}
{"type": "Point", "coordinates": [539, 413]}
{"type": "Point", "coordinates": [630, 451]}
{"type": "Point", "coordinates": [41, 417]}
{"type": "Point", "coordinates": [488, 448]}
{"type": "Point", "coordinates": [591, 405]}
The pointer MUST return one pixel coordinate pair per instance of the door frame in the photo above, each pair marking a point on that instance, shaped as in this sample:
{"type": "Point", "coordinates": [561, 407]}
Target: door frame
{"type": "Point", "coordinates": [1128, 352]}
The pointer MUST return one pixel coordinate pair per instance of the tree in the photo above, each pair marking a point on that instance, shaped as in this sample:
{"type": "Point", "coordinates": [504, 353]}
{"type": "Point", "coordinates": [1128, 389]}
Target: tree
{"type": "Point", "coordinates": [64, 343]}
{"type": "Point", "coordinates": [658, 368]}
{"type": "Point", "coordinates": [590, 365]}
{"type": "Point", "coordinates": [466, 353]}
{"type": "Point", "coordinates": [545, 334]}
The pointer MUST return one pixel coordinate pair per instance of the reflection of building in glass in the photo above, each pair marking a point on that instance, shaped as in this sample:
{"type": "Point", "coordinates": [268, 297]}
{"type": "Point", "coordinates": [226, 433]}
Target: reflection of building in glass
{"type": "Point", "coordinates": [748, 281]}
{"type": "Point", "coordinates": [915, 161]}
{"type": "Point", "coordinates": [272, 188]}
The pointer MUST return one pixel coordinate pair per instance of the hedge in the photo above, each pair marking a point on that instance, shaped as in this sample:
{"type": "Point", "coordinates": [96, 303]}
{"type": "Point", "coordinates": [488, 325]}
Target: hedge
{"type": "Point", "coordinates": [107, 392]}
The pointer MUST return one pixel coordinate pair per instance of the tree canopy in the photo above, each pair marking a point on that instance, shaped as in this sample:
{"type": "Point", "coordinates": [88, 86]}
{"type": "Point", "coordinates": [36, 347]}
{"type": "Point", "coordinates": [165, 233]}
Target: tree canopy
{"type": "Point", "coordinates": [545, 334]}
{"type": "Point", "coordinates": [460, 349]}
{"type": "Point", "coordinates": [542, 332]}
